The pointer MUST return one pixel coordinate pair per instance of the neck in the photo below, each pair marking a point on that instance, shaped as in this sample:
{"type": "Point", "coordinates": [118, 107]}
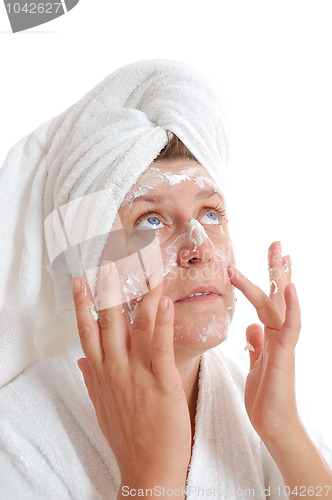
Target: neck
{"type": "Point", "coordinates": [189, 370]}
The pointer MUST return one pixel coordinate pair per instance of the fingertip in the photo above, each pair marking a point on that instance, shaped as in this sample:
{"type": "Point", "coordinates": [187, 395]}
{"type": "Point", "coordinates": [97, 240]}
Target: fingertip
{"type": "Point", "coordinates": [108, 272]}
{"type": "Point", "coordinates": [233, 272]}
{"type": "Point", "coordinates": [165, 307]}
{"type": "Point", "coordinates": [275, 245]}
{"type": "Point", "coordinates": [290, 291]}
{"type": "Point", "coordinates": [76, 285]}
{"type": "Point", "coordinates": [253, 328]}
{"type": "Point", "coordinates": [155, 280]}
{"type": "Point", "coordinates": [254, 334]}
{"type": "Point", "coordinates": [163, 304]}
{"type": "Point", "coordinates": [82, 364]}
{"type": "Point", "coordinates": [80, 286]}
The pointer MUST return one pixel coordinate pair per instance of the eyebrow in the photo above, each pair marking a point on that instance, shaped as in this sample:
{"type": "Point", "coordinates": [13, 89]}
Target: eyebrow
{"type": "Point", "coordinates": [160, 198]}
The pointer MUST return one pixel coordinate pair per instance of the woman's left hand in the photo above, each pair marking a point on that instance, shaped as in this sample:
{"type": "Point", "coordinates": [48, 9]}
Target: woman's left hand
{"type": "Point", "coordinates": [270, 387]}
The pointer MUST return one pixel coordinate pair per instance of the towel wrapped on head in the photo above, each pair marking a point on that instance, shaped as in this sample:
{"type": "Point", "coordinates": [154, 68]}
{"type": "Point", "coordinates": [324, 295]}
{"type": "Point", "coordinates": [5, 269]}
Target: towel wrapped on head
{"type": "Point", "coordinates": [100, 145]}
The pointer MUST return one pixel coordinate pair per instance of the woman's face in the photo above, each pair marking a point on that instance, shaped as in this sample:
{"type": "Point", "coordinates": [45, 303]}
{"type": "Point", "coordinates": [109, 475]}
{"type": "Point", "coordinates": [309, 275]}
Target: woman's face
{"type": "Point", "coordinates": [178, 201]}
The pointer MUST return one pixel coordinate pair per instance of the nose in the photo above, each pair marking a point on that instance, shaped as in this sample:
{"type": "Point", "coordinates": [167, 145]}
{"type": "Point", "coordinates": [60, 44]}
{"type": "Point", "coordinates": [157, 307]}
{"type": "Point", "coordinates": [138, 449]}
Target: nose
{"type": "Point", "coordinates": [196, 247]}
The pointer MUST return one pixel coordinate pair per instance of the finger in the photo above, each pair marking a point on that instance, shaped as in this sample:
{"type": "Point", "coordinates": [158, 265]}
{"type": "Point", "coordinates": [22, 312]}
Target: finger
{"type": "Point", "coordinates": [85, 368]}
{"type": "Point", "coordinates": [144, 323]}
{"type": "Point", "coordinates": [255, 338]}
{"type": "Point", "coordinates": [287, 264]}
{"type": "Point", "coordinates": [108, 286]}
{"type": "Point", "coordinates": [266, 310]}
{"type": "Point", "coordinates": [278, 278]}
{"type": "Point", "coordinates": [114, 330]}
{"type": "Point", "coordinates": [162, 350]}
{"type": "Point", "coordinates": [289, 334]}
{"type": "Point", "coordinates": [276, 269]}
{"type": "Point", "coordinates": [88, 326]}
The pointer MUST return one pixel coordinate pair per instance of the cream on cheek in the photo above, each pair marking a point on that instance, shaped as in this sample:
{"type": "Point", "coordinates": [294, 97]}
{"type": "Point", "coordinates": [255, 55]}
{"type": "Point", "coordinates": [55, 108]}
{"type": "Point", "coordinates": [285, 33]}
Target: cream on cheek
{"type": "Point", "coordinates": [157, 258]}
{"type": "Point", "coordinates": [207, 325]}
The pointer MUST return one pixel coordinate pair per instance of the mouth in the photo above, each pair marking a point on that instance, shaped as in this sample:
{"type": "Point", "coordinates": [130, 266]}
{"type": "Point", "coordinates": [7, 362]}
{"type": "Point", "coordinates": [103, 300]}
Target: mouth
{"type": "Point", "coordinates": [200, 294]}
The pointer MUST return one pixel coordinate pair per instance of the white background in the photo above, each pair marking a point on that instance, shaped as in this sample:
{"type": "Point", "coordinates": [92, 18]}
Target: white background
{"type": "Point", "coordinates": [272, 64]}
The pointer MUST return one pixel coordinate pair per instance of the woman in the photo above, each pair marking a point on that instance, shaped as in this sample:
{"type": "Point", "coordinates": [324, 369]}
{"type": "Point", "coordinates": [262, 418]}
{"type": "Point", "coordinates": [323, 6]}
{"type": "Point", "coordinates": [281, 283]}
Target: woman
{"type": "Point", "coordinates": [170, 409]}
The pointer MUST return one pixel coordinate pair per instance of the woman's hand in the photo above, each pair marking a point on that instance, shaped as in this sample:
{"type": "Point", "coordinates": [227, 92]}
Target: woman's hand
{"type": "Point", "coordinates": [270, 387]}
{"type": "Point", "coordinates": [134, 384]}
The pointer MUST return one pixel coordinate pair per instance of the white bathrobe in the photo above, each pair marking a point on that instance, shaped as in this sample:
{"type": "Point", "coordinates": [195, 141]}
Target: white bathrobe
{"type": "Point", "coordinates": [51, 446]}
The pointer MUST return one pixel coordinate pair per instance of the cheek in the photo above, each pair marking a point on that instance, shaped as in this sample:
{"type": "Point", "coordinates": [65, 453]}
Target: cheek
{"type": "Point", "coordinates": [224, 250]}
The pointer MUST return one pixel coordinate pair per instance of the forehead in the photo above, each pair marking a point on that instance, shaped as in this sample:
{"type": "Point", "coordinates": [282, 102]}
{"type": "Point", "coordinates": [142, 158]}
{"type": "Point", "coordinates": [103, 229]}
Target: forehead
{"type": "Point", "coordinates": [178, 167]}
{"type": "Point", "coordinates": [165, 175]}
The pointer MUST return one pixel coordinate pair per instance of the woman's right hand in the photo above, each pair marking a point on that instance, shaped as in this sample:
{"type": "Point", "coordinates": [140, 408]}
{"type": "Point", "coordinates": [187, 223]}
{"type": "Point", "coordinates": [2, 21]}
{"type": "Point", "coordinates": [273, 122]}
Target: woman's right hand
{"type": "Point", "coordinates": [134, 384]}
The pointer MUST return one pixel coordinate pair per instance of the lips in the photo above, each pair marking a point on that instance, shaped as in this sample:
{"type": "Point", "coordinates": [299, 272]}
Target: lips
{"type": "Point", "coordinates": [205, 291]}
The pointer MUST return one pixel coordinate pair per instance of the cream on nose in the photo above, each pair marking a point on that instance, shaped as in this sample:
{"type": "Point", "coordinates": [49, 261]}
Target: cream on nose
{"type": "Point", "coordinates": [196, 245]}
{"type": "Point", "coordinates": [196, 233]}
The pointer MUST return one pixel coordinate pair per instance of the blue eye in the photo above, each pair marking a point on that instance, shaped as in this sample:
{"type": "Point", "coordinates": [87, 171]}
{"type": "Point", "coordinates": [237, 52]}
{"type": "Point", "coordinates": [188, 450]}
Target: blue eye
{"type": "Point", "coordinates": [211, 218]}
{"type": "Point", "coordinates": [151, 222]}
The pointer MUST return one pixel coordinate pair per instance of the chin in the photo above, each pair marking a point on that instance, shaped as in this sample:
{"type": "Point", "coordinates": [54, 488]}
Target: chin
{"type": "Point", "coordinates": [200, 333]}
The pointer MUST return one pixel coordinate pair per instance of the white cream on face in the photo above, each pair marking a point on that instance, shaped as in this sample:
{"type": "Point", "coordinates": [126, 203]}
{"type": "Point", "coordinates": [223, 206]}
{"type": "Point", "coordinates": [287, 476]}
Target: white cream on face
{"type": "Point", "coordinates": [197, 233]}
{"type": "Point", "coordinates": [155, 177]}
{"type": "Point", "coordinates": [134, 279]}
{"type": "Point", "coordinates": [207, 330]}
{"type": "Point", "coordinates": [134, 282]}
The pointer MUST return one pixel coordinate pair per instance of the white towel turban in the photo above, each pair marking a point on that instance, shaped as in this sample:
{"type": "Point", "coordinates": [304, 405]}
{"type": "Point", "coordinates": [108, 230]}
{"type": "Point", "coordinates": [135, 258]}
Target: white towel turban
{"type": "Point", "coordinates": [101, 144]}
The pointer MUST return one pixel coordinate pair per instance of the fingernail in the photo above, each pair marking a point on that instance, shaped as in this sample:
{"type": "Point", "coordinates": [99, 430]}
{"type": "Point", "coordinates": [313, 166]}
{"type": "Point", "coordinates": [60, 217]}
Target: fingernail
{"type": "Point", "coordinates": [155, 279]}
{"type": "Point", "coordinates": [105, 268]}
{"type": "Point", "coordinates": [163, 304]}
{"type": "Point", "coordinates": [77, 286]}
{"type": "Point", "coordinates": [276, 245]}
{"type": "Point", "coordinates": [232, 271]}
